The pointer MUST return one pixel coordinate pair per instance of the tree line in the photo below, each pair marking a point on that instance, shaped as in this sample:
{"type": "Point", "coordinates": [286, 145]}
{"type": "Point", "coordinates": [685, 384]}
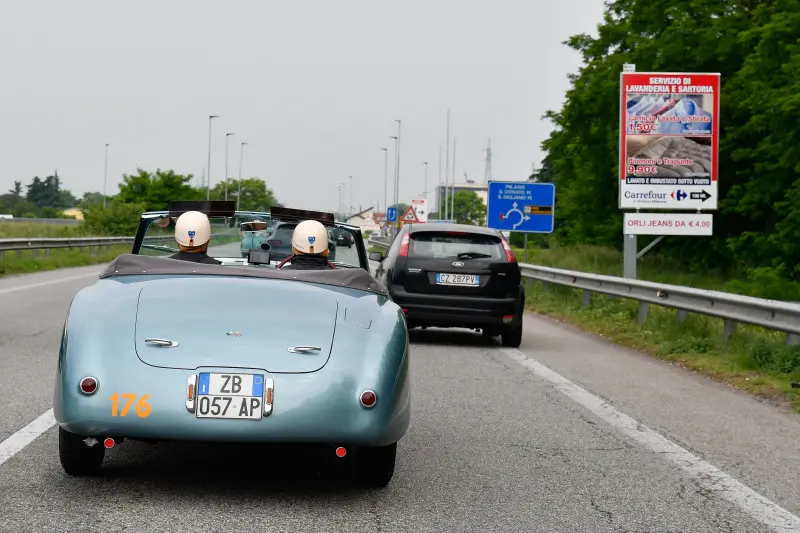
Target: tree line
{"type": "Point", "coordinates": [139, 192]}
{"type": "Point", "coordinates": [754, 45]}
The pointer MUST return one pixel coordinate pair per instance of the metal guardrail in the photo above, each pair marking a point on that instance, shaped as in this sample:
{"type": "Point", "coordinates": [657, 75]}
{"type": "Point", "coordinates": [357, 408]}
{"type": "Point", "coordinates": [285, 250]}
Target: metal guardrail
{"type": "Point", "coordinates": [69, 242]}
{"type": "Point", "coordinates": [63, 221]}
{"type": "Point", "coordinates": [732, 308]}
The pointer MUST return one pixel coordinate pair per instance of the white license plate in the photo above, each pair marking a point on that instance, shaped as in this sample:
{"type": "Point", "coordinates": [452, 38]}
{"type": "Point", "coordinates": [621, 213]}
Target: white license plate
{"type": "Point", "coordinates": [237, 396]}
{"type": "Point", "coordinates": [457, 279]}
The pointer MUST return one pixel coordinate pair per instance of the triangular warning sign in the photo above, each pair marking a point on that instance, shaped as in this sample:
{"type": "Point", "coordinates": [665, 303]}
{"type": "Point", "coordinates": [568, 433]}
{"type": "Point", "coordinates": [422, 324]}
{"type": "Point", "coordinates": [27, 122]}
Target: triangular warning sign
{"type": "Point", "coordinates": [410, 215]}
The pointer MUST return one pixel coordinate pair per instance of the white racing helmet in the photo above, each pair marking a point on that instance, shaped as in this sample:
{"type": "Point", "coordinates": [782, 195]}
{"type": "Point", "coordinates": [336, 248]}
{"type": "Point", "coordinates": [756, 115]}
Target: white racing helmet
{"type": "Point", "coordinates": [310, 237]}
{"type": "Point", "coordinates": [192, 229]}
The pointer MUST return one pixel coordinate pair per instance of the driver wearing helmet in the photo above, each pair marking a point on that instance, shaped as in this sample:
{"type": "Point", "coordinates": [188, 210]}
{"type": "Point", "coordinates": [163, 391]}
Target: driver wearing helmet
{"type": "Point", "coordinates": [309, 248]}
{"type": "Point", "coordinates": [193, 233]}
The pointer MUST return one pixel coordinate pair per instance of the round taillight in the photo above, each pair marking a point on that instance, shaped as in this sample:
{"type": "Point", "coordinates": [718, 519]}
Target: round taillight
{"type": "Point", "coordinates": [340, 452]}
{"type": "Point", "coordinates": [368, 398]}
{"type": "Point", "coordinates": [88, 385]}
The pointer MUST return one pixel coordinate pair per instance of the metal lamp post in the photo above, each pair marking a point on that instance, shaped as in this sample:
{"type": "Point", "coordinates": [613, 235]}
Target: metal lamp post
{"type": "Point", "coordinates": [208, 167]}
{"type": "Point", "coordinates": [227, 136]}
{"type": "Point", "coordinates": [105, 178]}
{"type": "Point", "coordinates": [239, 187]}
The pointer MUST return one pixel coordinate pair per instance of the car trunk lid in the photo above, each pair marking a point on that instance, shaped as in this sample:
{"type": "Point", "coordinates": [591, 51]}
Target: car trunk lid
{"type": "Point", "coordinates": [236, 323]}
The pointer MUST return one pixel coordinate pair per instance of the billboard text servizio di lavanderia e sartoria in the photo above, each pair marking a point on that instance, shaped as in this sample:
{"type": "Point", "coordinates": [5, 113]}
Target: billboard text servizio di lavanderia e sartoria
{"type": "Point", "coordinates": [522, 206]}
{"type": "Point", "coordinates": [669, 138]}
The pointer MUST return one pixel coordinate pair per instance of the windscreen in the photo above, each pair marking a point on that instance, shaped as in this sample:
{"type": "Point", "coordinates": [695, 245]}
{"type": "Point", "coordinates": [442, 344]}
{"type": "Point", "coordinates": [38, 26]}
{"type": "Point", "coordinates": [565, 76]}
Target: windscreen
{"type": "Point", "coordinates": [342, 253]}
{"type": "Point", "coordinates": [455, 245]}
{"type": "Point", "coordinates": [226, 236]}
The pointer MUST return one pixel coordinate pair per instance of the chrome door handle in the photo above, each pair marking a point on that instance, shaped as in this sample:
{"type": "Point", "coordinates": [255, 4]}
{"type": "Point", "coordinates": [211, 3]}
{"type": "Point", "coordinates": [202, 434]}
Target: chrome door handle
{"type": "Point", "coordinates": [162, 342]}
{"type": "Point", "coordinates": [304, 349]}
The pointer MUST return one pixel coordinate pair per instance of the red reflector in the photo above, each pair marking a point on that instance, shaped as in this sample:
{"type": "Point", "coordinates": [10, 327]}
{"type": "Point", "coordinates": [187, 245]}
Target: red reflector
{"type": "Point", "coordinates": [88, 385]}
{"type": "Point", "coordinates": [404, 246]}
{"type": "Point", "coordinates": [108, 443]}
{"type": "Point", "coordinates": [508, 318]}
{"type": "Point", "coordinates": [405, 310]}
{"type": "Point", "coordinates": [368, 398]}
{"type": "Point", "coordinates": [340, 452]}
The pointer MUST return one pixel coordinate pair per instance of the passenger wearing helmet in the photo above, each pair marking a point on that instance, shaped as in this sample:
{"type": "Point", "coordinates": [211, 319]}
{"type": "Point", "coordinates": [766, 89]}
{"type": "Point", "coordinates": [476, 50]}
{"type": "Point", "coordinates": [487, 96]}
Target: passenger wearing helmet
{"type": "Point", "coordinates": [193, 233]}
{"type": "Point", "coordinates": [309, 248]}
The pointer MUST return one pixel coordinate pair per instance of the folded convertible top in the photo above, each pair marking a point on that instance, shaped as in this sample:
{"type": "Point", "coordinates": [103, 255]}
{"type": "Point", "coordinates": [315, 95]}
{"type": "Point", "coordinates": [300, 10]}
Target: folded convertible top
{"type": "Point", "coordinates": [135, 265]}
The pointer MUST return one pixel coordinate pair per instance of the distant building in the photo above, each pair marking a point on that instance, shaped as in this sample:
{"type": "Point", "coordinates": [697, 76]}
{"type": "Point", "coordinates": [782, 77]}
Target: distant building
{"type": "Point", "coordinates": [74, 212]}
{"type": "Point", "coordinates": [366, 220]}
{"type": "Point", "coordinates": [481, 189]}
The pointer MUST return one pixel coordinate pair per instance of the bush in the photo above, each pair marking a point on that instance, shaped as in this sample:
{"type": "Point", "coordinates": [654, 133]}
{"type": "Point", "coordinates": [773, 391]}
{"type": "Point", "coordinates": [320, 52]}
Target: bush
{"type": "Point", "coordinates": [117, 219]}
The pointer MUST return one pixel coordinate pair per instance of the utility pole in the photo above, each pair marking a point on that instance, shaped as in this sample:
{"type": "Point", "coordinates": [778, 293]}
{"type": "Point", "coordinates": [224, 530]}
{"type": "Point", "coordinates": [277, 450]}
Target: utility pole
{"type": "Point", "coordinates": [208, 183]}
{"type": "Point", "coordinates": [439, 190]}
{"type": "Point", "coordinates": [227, 136]}
{"type": "Point", "coordinates": [397, 215]}
{"type": "Point", "coordinates": [453, 195]}
{"type": "Point", "coordinates": [351, 196]}
{"type": "Point", "coordinates": [385, 179]}
{"type": "Point", "coordinates": [397, 166]}
{"type": "Point", "coordinates": [447, 166]}
{"type": "Point", "coordinates": [239, 188]}
{"type": "Point", "coordinates": [105, 178]}
{"type": "Point", "coordinates": [425, 189]}
{"type": "Point", "coordinates": [487, 173]}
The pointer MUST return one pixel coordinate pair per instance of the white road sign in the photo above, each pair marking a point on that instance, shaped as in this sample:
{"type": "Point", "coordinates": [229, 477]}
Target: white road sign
{"type": "Point", "coordinates": [420, 206]}
{"type": "Point", "coordinates": [668, 224]}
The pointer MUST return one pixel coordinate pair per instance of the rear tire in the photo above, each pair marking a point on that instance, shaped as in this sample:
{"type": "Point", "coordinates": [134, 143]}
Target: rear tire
{"type": "Point", "coordinates": [512, 338]}
{"type": "Point", "coordinates": [375, 466]}
{"type": "Point", "coordinates": [77, 459]}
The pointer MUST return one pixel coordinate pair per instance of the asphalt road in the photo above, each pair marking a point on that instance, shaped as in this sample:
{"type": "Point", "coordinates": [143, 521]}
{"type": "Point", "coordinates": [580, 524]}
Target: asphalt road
{"type": "Point", "coordinates": [535, 439]}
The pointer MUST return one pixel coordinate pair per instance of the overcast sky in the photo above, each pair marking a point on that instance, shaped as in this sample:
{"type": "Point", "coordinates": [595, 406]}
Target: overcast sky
{"type": "Point", "coordinates": [313, 86]}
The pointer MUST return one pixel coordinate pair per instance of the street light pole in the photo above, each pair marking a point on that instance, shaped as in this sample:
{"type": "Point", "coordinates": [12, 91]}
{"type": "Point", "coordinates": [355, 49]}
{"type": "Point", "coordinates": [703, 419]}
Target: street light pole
{"type": "Point", "coordinates": [394, 204]}
{"type": "Point", "coordinates": [397, 166]}
{"type": "Point", "coordinates": [239, 187]}
{"type": "Point", "coordinates": [425, 190]}
{"type": "Point", "coordinates": [385, 178]}
{"type": "Point", "coordinates": [227, 136]}
{"type": "Point", "coordinates": [351, 195]}
{"type": "Point", "coordinates": [208, 167]}
{"type": "Point", "coordinates": [105, 178]}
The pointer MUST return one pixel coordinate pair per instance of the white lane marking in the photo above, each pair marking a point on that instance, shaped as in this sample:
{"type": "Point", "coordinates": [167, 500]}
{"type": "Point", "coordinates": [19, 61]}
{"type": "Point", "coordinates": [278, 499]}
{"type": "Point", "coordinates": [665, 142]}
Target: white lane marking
{"type": "Point", "coordinates": [16, 442]}
{"type": "Point", "coordinates": [45, 283]}
{"type": "Point", "coordinates": [705, 474]}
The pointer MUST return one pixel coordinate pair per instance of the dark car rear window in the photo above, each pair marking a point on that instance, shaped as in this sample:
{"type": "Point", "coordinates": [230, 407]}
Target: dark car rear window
{"type": "Point", "coordinates": [284, 232]}
{"type": "Point", "coordinates": [447, 245]}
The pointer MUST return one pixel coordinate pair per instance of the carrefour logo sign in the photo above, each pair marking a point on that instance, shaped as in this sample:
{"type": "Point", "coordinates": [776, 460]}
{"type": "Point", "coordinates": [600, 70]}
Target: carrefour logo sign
{"type": "Point", "coordinates": [649, 195]}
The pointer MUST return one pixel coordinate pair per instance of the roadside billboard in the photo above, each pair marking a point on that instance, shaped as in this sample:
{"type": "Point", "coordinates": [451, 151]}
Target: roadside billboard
{"type": "Point", "coordinates": [669, 141]}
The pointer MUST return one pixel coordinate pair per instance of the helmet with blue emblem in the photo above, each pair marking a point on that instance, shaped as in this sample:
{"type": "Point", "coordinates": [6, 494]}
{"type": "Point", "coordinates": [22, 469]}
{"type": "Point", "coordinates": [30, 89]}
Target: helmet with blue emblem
{"type": "Point", "coordinates": [193, 230]}
{"type": "Point", "coordinates": [310, 238]}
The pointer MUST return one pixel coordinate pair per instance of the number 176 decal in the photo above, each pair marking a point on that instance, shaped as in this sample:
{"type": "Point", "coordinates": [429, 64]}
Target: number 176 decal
{"type": "Point", "coordinates": [142, 407]}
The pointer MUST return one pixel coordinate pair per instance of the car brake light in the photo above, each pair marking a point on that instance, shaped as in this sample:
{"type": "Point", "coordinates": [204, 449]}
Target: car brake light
{"type": "Point", "coordinates": [88, 385]}
{"type": "Point", "coordinates": [404, 246]}
{"type": "Point", "coordinates": [510, 257]}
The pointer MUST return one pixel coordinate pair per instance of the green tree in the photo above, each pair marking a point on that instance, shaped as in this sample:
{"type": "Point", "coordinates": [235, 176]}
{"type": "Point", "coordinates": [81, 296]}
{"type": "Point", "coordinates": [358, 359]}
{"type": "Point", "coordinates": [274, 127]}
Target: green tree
{"type": "Point", "coordinates": [256, 196]}
{"type": "Point", "coordinates": [468, 208]}
{"type": "Point", "coordinates": [90, 199]}
{"type": "Point", "coordinates": [155, 190]}
{"type": "Point", "coordinates": [754, 45]}
{"type": "Point", "coordinates": [17, 190]}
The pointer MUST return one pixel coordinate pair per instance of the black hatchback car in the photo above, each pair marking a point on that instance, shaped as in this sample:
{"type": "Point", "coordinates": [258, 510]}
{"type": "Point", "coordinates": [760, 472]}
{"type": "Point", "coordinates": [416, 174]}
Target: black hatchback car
{"type": "Point", "coordinates": [455, 275]}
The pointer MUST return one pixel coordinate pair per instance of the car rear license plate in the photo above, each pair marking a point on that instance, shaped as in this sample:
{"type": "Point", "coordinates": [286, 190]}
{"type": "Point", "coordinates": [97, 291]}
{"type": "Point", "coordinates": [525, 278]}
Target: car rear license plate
{"type": "Point", "coordinates": [237, 396]}
{"type": "Point", "coordinates": [444, 278]}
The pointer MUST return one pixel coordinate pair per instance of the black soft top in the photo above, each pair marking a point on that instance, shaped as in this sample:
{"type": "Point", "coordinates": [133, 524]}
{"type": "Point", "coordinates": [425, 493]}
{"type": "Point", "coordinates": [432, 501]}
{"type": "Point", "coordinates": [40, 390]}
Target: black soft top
{"type": "Point", "coordinates": [136, 265]}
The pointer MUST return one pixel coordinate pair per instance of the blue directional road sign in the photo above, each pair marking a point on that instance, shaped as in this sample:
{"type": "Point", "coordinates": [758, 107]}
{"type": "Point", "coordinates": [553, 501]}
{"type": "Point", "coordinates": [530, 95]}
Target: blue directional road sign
{"type": "Point", "coordinates": [521, 206]}
{"type": "Point", "coordinates": [391, 214]}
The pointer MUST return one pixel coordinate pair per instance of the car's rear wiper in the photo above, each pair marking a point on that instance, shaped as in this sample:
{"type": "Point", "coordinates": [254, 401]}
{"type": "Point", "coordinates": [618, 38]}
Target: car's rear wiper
{"type": "Point", "coordinates": [472, 255]}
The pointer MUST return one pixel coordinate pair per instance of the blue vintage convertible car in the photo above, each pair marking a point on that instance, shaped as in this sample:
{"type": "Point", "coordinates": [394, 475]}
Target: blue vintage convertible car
{"type": "Point", "coordinates": [163, 349]}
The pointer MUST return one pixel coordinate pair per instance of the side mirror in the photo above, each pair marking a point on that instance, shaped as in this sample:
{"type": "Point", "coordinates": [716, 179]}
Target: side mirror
{"type": "Point", "coordinates": [266, 247]}
{"type": "Point", "coordinates": [376, 256]}
{"type": "Point", "coordinates": [257, 257]}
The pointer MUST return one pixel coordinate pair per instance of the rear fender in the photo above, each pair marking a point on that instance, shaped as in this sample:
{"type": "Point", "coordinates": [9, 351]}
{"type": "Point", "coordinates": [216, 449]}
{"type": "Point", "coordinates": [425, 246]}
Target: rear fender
{"type": "Point", "coordinates": [98, 330]}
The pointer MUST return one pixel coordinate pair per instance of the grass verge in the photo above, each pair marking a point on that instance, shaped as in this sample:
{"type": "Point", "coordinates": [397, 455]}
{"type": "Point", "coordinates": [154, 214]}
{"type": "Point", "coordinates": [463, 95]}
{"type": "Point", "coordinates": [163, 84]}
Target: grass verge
{"type": "Point", "coordinates": [28, 261]}
{"type": "Point", "coordinates": [754, 360]}
{"type": "Point", "coordinates": [39, 230]}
